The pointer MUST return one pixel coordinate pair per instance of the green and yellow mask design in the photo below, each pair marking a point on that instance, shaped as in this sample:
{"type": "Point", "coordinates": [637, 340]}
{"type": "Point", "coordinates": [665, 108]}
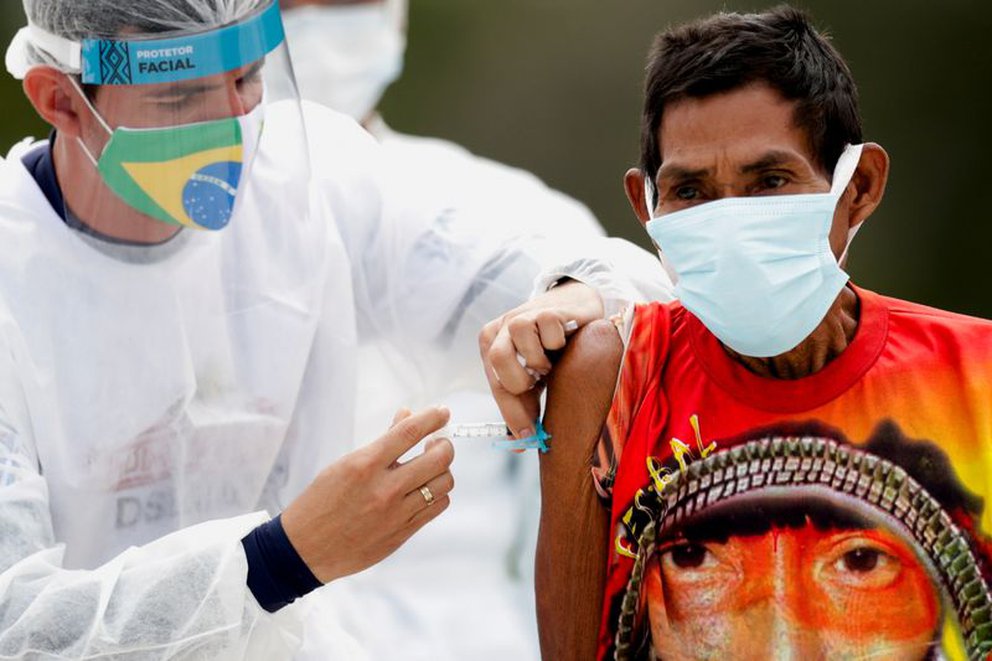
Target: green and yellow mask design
{"type": "Point", "coordinates": [182, 175]}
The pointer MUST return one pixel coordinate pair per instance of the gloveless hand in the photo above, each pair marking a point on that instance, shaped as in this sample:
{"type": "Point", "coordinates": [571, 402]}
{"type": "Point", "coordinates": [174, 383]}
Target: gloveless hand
{"type": "Point", "coordinates": [514, 348]}
{"type": "Point", "coordinates": [366, 505]}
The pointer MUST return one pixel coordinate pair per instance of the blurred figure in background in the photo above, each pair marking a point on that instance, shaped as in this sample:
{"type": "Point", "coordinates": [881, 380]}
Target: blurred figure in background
{"type": "Point", "coordinates": [345, 55]}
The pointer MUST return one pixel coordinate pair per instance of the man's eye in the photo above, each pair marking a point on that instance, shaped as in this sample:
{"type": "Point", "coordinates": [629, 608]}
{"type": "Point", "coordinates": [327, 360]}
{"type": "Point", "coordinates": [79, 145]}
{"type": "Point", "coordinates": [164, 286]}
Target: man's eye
{"type": "Point", "coordinates": [687, 193]}
{"type": "Point", "coordinates": [773, 181]}
{"type": "Point", "coordinates": [688, 556]}
{"type": "Point", "coordinates": [862, 564]}
{"type": "Point", "coordinates": [175, 102]}
{"type": "Point", "coordinates": [861, 560]}
{"type": "Point", "coordinates": [251, 78]}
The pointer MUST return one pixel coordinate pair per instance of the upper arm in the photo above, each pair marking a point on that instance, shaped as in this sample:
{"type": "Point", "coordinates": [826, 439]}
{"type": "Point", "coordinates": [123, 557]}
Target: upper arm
{"type": "Point", "coordinates": [574, 533]}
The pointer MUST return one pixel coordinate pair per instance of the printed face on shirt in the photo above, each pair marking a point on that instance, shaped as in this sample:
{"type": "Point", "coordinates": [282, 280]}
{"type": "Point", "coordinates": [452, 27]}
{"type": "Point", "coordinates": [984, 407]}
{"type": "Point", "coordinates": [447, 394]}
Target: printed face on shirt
{"type": "Point", "coordinates": [811, 585]}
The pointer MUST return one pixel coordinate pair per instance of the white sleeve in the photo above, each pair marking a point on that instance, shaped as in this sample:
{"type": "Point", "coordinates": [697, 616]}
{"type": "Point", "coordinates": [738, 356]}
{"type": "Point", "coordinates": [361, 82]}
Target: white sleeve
{"type": "Point", "coordinates": [181, 596]}
{"type": "Point", "coordinates": [458, 277]}
{"type": "Point", "coordinates": [620, 271]}
{"type": "Point", "coordinates": [430, 271]}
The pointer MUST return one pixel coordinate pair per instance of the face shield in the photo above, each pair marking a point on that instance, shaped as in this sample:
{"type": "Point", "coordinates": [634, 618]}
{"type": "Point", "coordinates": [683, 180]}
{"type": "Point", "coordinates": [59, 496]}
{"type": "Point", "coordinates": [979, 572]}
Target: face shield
{"type": "Point", "coordinates": [169, 123]}
{"type": "Point", "coordinates": [170, 400]}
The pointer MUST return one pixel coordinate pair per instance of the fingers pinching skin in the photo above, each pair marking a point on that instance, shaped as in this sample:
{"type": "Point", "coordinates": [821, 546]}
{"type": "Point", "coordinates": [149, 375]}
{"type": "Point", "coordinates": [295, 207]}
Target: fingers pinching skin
{"type": "Point", "coordinates": [504, 366]}
{"type": "Point", "coordinates": [518, 411]}
{"type": "Point", "coordinates": [525, 335]}
{"type": "Point", "coordinates": [552, 330]}
{"type": "Point", "coordinates": [530, 330]}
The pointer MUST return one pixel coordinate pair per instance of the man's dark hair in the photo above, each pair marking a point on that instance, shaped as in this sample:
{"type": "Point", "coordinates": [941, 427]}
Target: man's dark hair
{"type": "Point", "coordinates": [780, 48]}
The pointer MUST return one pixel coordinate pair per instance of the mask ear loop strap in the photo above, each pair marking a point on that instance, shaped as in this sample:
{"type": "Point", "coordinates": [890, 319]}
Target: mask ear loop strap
{"type": "Point", "coordinates": [853, 232]}
{"type": "Point", "coordinates": [648, 196]}
{"type": "Point", "coordinates": [97, 115]}
{"type": "Point", "coordinates": [89, 104]}
{"type": "Point", "coordinates": [846, 166]}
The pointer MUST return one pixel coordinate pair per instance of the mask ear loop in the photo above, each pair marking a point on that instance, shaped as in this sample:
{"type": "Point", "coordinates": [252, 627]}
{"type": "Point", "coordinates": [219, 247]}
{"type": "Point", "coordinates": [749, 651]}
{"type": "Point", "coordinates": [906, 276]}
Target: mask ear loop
{"type": "Point", "coordinates": [844, 171]}
{"type": "Point", "coordinates": [97, 115]}
{"type": "Point", "coordinates": [851, 233]}
{"type": "Point", "coordinates": [648, 196]}
{"type": "Point", "coordinates": [649, 193]}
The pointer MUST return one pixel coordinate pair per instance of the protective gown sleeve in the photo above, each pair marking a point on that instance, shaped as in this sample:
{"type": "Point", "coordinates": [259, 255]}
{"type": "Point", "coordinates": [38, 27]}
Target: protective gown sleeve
{"type": "Point", "coordinates": [181, 596]}
{"type": "Point", "coordinates": [510, 269]}
{"type": "Point", "coordinates": [429, 272]}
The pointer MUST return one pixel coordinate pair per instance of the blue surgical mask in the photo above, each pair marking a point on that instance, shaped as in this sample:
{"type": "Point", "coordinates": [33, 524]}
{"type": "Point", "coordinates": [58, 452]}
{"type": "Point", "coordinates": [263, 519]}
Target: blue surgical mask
{"type": "Point", "coordinates": [758, 272]}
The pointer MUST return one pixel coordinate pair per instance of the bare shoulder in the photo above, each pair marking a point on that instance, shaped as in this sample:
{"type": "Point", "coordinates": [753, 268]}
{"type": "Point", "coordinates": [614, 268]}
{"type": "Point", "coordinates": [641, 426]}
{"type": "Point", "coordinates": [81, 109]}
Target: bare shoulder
{"type": "Point", "coordinates": [580, 392]}
{"type": "Point", "coordinates": [570, 568]}
{"type": "Point", "coordinates": [583, 381]}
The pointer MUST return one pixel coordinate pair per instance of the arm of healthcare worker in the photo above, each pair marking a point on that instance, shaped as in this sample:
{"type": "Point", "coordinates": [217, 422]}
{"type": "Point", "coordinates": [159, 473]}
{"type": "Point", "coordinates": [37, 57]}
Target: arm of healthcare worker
{"type": "Point", "coordinates": [429, 273]}
{"type": "Point", "coordinates": [515, 345]}
{"type": "Point", "coordinates": [187, 594]}
{"type": "Point", "coordinates": [573, 541]}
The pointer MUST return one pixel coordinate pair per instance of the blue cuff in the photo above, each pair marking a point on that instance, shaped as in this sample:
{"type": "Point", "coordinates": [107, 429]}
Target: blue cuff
{"type": "Point", "coordinates": [277, 575]}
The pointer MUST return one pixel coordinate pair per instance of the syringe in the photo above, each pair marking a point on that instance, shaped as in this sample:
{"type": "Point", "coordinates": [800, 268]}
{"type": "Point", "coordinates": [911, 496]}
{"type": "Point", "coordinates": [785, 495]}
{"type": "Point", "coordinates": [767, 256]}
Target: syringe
{"type": "Point", "coordinates": [490, 430]}
{"type": "Point", "coordinates": [498, 434]}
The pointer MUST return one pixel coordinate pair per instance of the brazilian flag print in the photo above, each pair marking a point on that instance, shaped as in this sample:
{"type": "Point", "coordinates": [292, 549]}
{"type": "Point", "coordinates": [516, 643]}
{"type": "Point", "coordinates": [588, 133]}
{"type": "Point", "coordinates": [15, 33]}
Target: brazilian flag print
{"type": "Point", "coordinates": [185, 175]}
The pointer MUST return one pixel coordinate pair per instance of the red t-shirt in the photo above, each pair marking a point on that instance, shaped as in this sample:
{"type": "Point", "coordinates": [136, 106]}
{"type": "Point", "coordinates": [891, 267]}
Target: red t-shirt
{"type": "Point", "coordinates": [839, 515]}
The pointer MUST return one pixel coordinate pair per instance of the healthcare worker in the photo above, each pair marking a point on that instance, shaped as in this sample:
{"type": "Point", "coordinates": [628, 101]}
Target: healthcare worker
{"type": "Point", "coordinates": [481, 606]}
{"type": "Point", "coordinates": [188, 263]}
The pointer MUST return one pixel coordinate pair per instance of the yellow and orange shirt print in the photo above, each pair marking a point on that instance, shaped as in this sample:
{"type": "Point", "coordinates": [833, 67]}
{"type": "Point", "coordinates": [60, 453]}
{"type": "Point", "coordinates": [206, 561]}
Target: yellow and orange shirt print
{"type": "Point", "coordinates": [839, 515]}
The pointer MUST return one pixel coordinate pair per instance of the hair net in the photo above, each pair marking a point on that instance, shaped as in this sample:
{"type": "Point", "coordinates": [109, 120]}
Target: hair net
{"type": "Point", "coordinates": [52, 22]}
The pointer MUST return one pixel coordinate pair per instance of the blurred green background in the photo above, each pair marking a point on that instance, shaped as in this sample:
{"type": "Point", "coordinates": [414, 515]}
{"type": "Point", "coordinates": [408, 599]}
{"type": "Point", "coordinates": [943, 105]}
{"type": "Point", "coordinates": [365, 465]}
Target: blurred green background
{"type": "Point", "coordinates": [554, 86]}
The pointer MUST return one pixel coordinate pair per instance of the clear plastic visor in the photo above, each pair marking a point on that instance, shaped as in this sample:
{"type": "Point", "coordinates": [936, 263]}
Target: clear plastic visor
{"type": "Point", "coordinates": [169, 126]}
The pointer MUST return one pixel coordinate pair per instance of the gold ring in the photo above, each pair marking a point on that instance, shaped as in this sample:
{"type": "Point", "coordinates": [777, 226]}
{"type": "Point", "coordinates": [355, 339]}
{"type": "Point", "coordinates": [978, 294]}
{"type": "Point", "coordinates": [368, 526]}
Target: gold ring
{"type": "Point", "coordinates": [425, 491]}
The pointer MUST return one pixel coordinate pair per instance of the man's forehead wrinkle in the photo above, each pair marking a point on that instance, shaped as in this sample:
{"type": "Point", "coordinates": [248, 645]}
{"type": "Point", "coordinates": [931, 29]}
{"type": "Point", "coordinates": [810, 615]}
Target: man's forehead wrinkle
{"type": "Point", "coordinates": [674, 169]}
{"type": "Point", "coordinates": [772, 158]}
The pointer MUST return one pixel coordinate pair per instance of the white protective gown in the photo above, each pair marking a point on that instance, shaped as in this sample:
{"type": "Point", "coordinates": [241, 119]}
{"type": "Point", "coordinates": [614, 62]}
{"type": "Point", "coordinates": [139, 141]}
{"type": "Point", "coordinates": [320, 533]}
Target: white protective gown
{"type": "Point", "coordinates": [462, 588]}
{"type": "Point", "coordinates": [152, 414]}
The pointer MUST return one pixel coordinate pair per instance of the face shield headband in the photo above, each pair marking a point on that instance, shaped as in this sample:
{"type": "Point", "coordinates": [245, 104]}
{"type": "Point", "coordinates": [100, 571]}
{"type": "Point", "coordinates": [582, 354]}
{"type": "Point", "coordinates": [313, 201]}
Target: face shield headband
{"type": "Point", "coordinates": [148, 61]}
{"type": "Point", "coordinates": [186, 174]}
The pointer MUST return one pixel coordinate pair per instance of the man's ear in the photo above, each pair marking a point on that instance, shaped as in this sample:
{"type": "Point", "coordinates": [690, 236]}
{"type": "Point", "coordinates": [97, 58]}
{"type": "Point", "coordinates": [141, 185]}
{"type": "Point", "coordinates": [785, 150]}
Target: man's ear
{"type": "Point", "coordinates": [633, 183]}
{"type": "Point", "coordinates": [55, 98]}
{"type": "Point", "coordinates": [868, 183]}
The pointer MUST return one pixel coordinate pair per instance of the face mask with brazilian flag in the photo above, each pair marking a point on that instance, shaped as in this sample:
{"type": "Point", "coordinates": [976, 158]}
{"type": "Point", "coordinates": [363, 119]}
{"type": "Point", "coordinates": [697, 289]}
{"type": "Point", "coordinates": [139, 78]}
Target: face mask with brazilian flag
{"type": "Point", "coordinates": [184, 175]}
{"type": "Point", "coordinates": [181, 174]}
